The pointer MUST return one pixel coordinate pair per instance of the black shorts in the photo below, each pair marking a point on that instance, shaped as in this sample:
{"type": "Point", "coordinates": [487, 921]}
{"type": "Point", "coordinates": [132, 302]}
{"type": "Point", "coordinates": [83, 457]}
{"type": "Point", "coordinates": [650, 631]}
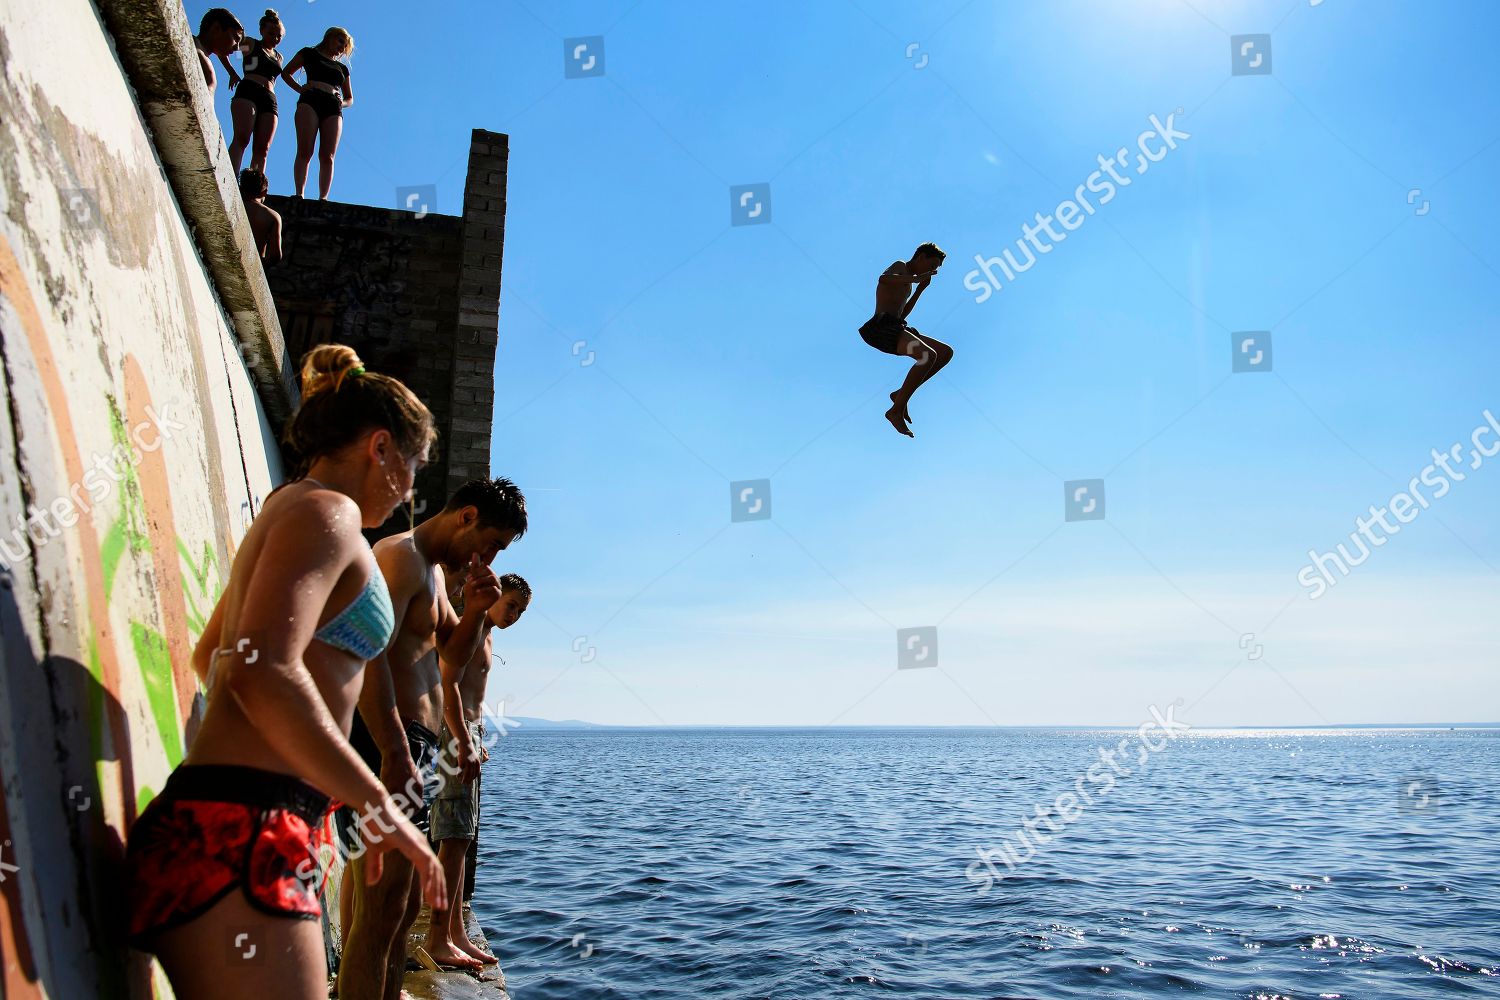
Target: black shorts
{"type": "Point", "coordinates": [364, 743]}
{"type": "Point", "coordinates": [423, 746]}
{"type": "Point", "coordinates": [325, 104]}
{"type": "Point", "coordinates": [261, 97]}
{"type": "Point", "coordinates": [883, 332]}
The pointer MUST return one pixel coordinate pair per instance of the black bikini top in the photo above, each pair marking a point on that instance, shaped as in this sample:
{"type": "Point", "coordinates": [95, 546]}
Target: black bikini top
{"type": "Point", "coordinates": [260, 60]}
{"type": "Point", "coordinates": [321, 69]}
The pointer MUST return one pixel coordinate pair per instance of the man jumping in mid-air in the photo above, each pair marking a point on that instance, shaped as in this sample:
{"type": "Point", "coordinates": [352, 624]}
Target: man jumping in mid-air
{"type": "Point", "coordinates": [887, 330]}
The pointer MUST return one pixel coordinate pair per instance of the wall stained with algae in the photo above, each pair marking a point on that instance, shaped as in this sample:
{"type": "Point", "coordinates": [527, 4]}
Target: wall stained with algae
{"type": "Point", "coordinates": [134, 449]}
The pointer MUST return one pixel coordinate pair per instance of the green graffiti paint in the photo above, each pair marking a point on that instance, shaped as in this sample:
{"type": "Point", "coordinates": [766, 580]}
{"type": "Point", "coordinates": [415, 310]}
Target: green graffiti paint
{"type": "Point", "coordinates": [133, 507]}
{"type": "Point", "coordinates": [129, 531]}
{"type": "Point", "coordinates": [208, 589]}
{"type": "Point", "coordinates": [110, 551]}
{"type": "Point", "coordinates": [199, 572]}
{"type": "Point", "coordinates": [161, 693]}
{"type": "Point", "coordinates": [97, 695]}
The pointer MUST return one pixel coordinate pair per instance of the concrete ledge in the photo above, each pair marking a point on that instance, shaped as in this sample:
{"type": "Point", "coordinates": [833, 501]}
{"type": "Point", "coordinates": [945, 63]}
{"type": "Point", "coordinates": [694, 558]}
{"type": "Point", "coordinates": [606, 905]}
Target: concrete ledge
{"type": "Point", "coordinates": [155, 45]}
{"type": "Point", "coordinates": [487, 985]}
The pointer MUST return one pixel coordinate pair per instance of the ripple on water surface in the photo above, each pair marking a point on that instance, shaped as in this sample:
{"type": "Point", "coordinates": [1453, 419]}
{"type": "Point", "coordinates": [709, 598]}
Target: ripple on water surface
{"type": "Point", "coordinates": [801, 864]}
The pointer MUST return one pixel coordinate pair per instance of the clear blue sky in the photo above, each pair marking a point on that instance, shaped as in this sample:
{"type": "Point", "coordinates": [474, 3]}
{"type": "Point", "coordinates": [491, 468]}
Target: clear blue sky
{"type": "Point", "coordinates": [729, 352]}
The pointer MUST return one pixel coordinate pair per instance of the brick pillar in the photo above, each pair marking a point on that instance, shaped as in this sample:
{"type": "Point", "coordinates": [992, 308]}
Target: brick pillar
{"type": "Point", "coordinates": [478, 332]}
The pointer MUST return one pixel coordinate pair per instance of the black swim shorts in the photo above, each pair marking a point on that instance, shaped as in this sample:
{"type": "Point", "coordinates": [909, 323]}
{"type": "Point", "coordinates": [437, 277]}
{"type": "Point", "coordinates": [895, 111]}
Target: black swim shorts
{"type": "Point", "coordinates": [883, 332]}
{"type": "Point", "coordinates": [325, 104]}
{"type": "Point", "coordinates": [258, 95]}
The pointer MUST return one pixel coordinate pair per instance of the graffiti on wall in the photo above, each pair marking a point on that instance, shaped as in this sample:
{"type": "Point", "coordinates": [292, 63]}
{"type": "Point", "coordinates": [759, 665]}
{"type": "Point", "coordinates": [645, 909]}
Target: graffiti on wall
{"type": "Point", "coordinates": [141, 589]}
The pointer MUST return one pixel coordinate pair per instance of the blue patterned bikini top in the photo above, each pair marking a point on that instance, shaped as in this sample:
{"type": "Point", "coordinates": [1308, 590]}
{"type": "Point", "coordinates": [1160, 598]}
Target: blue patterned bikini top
{"type": "Point", "coordinates": [365, 626]}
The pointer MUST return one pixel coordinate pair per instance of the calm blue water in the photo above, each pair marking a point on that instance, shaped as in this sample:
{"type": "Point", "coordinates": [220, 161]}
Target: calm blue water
{"type": "Point", "coordinates": [802, 864]}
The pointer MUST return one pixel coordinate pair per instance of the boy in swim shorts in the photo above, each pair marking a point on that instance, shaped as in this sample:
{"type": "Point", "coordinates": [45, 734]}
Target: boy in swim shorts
{"type": "Point", "coordinates": [896, 294]}
{"type": "Point", "coordinates": [455, 812]}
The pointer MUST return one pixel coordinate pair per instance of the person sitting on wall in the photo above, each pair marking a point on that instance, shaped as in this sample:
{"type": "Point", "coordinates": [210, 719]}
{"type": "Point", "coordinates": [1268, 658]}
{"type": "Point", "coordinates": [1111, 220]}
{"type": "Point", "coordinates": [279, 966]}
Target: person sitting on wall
{"type": "Point", "coordinates": [219, 34]}
{"type": "Point", "coordinates": [455, 812]}
{"type": "Point", "coordinates": [265, 222]}
{"type": "Point", "coordinates": [321, 104]}
{"type": "Point", "coordinates": [402, 704]}
{"type": "Point", "coordinates": [217, 866]}
{"type": "Point", "coordinates": [253, 109]}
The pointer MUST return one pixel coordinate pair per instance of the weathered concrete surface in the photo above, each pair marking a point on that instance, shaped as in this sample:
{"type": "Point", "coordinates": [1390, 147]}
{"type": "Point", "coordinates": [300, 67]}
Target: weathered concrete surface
{"type": "Point", "coordinates": [417, 294]}
{"type": "Point", "coordinates": [385, 282]}
{"type": "Point", "coordinates": [154, 43]}
{"type": "Point", "coordinates": [144, 376]}
{"type": "Point", "coordinates": [134, 449]}
{"type": "Point", "coordinates": [487, 985]}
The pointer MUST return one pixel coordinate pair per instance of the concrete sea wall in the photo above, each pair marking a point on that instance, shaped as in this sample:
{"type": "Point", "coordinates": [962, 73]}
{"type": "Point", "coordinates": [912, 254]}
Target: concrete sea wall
{"type": "Point", "coordinates": [418, 294]}
{"type": "Point", "coordinates": [143, 377]}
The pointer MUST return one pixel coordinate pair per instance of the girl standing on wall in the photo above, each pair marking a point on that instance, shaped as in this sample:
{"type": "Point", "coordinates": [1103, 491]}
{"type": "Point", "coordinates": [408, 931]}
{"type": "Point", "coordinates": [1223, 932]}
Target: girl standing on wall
{"type": "Point", "coordinates": [254, 106]}
{"type": "Point", "coordinates": [320, 109]}
{"type": "Point", "coordinates": [222, 865]}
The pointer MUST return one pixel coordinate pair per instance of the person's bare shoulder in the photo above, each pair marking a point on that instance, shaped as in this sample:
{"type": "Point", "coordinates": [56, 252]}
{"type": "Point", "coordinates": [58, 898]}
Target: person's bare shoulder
{"type": "Point", "coordinates": [406, 571]}
{"type": "Point", "coordinates": [400, 552]}
{"type": "Point", "coordinates": [897, 269]}
{"type": "Point", "coordinates": [400, 547]}
{"type": "Point", "coordinates": [400, 538]}
{"type": "Point", "coordinates": [208, 68]}
{"type": "Point", "coordinates": [315, 518]}
{"type": "Point", "coordinates": [326, 509]}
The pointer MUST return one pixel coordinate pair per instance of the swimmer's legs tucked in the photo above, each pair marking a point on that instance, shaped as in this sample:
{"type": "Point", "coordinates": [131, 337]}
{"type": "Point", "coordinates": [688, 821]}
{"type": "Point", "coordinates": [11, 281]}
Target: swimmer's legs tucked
{"type": "Point", "coordinates": [930, 355]}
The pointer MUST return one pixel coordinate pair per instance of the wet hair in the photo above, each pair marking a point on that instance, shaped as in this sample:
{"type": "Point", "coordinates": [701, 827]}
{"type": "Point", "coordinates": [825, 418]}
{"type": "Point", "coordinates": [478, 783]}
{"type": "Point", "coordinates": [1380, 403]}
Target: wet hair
{"type": "Point", "coordinates": [269, 17]}
{"type": "Point", "coordinates": [253, 184]}
{"type": "Point", "coordinates": [930, 250]}
{"type": "Point", "coordinates": [338, 36]}
{"type": "Point", "coordinates": [514, 581]}
{"type": "Point", "coordinates": [342, 402]}
{"type": "Point", "coordinates": [499, 502]}
{"type": "Point", "coordinates": [218, 17]}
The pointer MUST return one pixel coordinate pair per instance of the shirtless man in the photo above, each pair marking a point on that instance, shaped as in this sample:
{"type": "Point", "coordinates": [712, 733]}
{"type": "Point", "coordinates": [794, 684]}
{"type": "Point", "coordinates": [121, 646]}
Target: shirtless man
{"type": "Point", "coordinates": [402, 700]}
{"type": "Point", "coordinates": [265, 222]}
{"type": "Point", "coordinates": [887, 331]}
{"type": "Point", "coordinates": [455, 813]}
{"type": "Point", "coordinates": [219, 35]}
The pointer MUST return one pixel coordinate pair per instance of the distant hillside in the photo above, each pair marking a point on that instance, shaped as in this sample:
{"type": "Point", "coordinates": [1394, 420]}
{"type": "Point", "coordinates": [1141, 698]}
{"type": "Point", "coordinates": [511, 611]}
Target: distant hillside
{"type": "Point", "coordinates": [526, 722]}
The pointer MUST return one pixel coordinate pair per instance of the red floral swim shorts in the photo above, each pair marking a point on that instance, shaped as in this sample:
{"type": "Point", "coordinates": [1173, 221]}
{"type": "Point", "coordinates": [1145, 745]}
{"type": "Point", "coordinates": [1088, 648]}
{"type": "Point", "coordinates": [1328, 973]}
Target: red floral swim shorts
{"type": "Point", "coordinates": [215, 828]}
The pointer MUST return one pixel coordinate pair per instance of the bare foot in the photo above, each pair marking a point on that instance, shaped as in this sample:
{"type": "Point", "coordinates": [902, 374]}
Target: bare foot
{"type": "Point", "coordinates": [473, 950]}
{"type": "Point", "coordinates": [899, 404]}
{"type": "Point", "coordinates": [448, 956]}
{"type": "Point", "coordinates": [898, 422]}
